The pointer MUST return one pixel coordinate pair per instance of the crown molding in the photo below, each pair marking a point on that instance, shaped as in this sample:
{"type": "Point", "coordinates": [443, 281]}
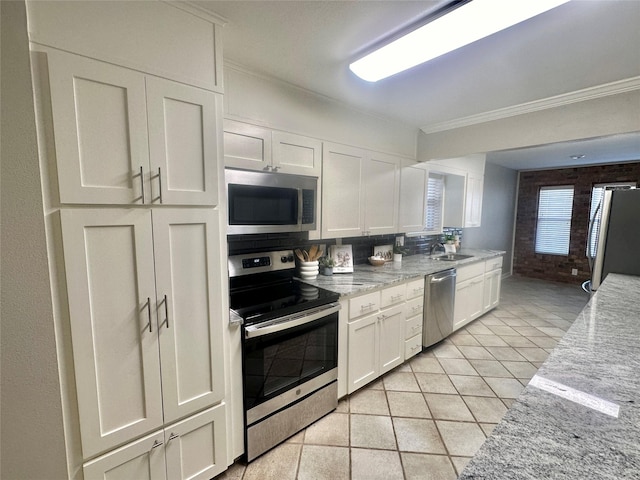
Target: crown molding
{"type": "Point", "coordinates": [198, 10]}
{"type": "Point", "coordinates": [591, 93]}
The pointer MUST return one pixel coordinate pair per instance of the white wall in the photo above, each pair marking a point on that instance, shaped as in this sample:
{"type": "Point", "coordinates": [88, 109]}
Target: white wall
{"type": "Point", "coordinates": [498, 210]}
{"type": "Point", "coordinates": [32, 443]}
{"type": "Point", "coordinates": [273, 103]}
{"type": "Point", "coordinates": [586, 119]}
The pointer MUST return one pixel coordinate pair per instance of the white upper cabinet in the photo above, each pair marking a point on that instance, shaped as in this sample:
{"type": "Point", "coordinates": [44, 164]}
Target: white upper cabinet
{"type": "Point", "coordinates": [360, 192]}
{"type": "Point", "coordinates": [473, 200]}
{"type": "Point", "coordinates": [246, 146]}
{"type": "Point", "coordinates": [258, 148]}
{"type": "Point", "coordinates": [382, 190]}
{"type": "Point", "coordinates": [123, 138]}
{"type": "Point", "coordinates": [183, 146]}
{"type": "Point", "coordinates": [296, 154]}
{"type": "Point", "coordinates": [342, 191]}
{"type": "Point", "coordinates": [167, 39]}
{"type": "Point", "coordinates": [414, 180]}
{"type": "Point", "coordinates": [147, 343]}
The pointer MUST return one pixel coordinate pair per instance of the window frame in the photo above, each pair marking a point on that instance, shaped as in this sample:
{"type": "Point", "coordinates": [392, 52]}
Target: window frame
{"type": "Point", "coordinates": [545, 222]}
{"type": "Point", "coordinates": [430, 207]}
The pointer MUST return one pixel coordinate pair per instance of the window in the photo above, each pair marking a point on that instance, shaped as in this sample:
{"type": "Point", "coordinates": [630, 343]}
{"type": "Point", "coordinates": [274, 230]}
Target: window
{"type": "Point", "coordinates": [435, 203]}
{"type": "Point", "coordinates": [597, 192]}
{"type": "Point", "coordinates": [554, 220]}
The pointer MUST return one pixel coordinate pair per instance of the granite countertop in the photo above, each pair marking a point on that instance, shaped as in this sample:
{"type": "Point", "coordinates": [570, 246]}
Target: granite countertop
{"type": "Point", "coordinates": [579, 417]}
{"type": "Point", "coordinates": [367, 277]}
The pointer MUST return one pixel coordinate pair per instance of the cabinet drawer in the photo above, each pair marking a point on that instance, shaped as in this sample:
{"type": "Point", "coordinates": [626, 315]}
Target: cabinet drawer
{"type": "Point", "coordinates": [469, 271]}
{"type": "Point", "coordinates": [412, 326]}
{"type": "Point", "coordinates": [412, 347]}
{"type": "Point", "coordinates": [392, 295]}
{"type": "Point", "coordinates": [364, 304]}
{"type": "Point", "coordinates": [414, 307]}
{"type": "Point", "coordinates": [415, 288]}
{"type": "Point", "coordinates": [493, 264]}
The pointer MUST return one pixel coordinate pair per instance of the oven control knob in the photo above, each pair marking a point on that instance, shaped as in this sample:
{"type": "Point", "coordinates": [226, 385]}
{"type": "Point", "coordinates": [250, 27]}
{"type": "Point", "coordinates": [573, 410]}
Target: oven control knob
{"type": "Point", "coordinates": [290, 258]}
{"type": "Point", "coordinates": [283, 259]}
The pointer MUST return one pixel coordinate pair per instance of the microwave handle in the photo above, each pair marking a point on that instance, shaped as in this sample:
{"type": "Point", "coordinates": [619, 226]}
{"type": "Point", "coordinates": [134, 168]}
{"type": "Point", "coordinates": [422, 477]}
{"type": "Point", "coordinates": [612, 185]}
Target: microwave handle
{"type": "Point", "coordinates": [290, 321]}
{"type": "Point", "coordinates": [300, 206]}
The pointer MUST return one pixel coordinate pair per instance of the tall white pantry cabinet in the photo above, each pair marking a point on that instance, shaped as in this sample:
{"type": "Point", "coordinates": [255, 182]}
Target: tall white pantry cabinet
{"type": "Point", "coordinates": [132, 140]}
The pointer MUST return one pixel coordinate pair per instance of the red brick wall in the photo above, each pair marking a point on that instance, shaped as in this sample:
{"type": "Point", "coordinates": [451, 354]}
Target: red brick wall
{"type": "Point", "coordinates": [558, 267]}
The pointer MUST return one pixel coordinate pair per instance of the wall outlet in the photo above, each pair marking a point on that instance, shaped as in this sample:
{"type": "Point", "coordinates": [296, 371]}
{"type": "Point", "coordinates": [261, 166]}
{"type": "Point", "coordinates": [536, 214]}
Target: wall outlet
{"type": "Point", "coordinates": [574, 271]}
{"type": "Point", "coordinates": [400, 241]}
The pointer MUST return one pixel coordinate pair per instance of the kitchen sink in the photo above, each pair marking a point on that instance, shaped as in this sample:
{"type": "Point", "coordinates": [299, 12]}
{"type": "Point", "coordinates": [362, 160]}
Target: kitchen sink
{"type": "Point", "coordinates": [451, 257]}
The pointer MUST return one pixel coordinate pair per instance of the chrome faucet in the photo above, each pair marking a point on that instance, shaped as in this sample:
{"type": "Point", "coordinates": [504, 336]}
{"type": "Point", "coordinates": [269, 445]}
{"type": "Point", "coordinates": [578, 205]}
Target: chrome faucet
{"type": "Point", "coordinates": [434, 246]}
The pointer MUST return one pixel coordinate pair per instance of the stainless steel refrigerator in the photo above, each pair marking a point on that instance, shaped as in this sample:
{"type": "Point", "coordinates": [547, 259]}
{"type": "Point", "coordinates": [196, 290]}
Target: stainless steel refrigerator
{"type": "Point", "coordinates": [618, 242]}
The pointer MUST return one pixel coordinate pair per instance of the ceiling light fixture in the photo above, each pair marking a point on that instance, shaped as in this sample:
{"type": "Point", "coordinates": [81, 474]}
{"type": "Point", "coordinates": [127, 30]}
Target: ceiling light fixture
{"type": "Point", "coordinates": [464, 25]}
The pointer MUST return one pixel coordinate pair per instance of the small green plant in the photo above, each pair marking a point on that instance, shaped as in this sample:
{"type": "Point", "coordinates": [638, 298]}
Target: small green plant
{"type": "Point", "coordinates": [449, 238]}
{"type": "Point", "coordinates": [402, 250]}
{"type": "Point", "coordinates": [326, 262]}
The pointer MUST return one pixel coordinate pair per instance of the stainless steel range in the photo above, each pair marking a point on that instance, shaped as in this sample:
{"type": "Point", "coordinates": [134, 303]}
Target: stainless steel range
{"type": "Point", "coordinates": [289, 348]}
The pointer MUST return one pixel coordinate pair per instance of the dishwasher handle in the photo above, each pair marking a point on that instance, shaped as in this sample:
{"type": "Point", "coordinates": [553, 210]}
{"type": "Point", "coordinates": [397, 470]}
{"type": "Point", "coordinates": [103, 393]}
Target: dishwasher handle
{"type": "Point", "coordinates": [443, 278]}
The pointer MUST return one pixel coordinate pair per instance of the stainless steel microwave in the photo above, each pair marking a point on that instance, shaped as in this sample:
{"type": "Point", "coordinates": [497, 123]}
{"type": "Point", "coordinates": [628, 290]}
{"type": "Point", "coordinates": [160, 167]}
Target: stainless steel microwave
{"type": "Point", "coordinates": [268, 202]}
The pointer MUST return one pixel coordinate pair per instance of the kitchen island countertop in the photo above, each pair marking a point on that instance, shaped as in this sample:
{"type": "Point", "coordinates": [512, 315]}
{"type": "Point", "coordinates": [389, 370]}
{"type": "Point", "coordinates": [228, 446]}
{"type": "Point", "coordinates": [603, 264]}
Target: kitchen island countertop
{"type": "Point", "coordinates": [579, 417]}
{"type": "Point", "coordinates": [367, 277]}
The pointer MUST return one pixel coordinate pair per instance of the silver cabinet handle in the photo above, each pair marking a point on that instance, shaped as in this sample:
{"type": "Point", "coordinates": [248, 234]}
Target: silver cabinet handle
{"type": "Point", "coordinates": [275, 169]}
{"type": "Point", "coordinates": [156, 444]}
{"type": "Point", "coordinates": [160, 183]}
{"type": "Point", "coordinates": [173, 436]}
{"type": "Point", "coordinates": [142, 184]}
{"type": "Point", "coordinates": [367, 307]}
{"type": "Point", "coordinates": [149, 314]}
{"type": "Point", "coordinates": [395, 298]}
{"type": "Point", "coordinates": [166, 311]}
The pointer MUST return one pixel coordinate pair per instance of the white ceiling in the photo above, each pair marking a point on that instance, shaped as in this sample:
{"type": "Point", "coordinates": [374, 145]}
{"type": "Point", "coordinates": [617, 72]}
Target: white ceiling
{"type": "Point", "coordinates": [582, 44]}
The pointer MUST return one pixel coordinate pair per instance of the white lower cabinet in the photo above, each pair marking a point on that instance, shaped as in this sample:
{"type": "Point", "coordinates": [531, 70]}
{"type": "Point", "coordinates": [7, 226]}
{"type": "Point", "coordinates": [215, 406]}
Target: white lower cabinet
{"type": "Point", "coordinates": [492, 282]}
{"type": "Point", "coordinates": [190, 449]}
{"type": "Point", "coordinates": [376, 345]}
{"type": "Point", "coordinates": [147, 339]}
{"type": "Point", "coordinates": [477, 290]}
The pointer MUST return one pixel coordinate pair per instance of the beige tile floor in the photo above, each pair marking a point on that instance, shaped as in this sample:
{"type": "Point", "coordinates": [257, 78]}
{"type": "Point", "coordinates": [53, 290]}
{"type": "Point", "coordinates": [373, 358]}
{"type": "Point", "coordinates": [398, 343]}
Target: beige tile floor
{"type": "Point", "coordinates": [427, 418]}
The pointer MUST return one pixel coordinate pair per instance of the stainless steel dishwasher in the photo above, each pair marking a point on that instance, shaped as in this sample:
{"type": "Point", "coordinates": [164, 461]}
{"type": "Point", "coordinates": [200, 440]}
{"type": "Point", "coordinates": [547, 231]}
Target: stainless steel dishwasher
{"type": "Point", "coordinates": [439, 296]}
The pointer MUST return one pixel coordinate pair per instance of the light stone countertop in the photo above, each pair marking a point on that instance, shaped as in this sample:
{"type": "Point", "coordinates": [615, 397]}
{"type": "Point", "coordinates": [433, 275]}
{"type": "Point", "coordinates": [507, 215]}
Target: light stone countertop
{"type": "Point", "coordinates": [367, 277]}
{"type": "Point", "coordinates": [582, 420]}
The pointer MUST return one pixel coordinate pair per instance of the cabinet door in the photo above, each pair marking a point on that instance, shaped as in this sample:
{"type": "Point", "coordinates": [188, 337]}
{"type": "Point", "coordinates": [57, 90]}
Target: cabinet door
{"type": "Point", "coordinates": [100, 127]}
{"type": "Point", "coordinates": [473, 201]}
{"type": "Point", "coordinates": [476, 297]}
{"type": "Point", "coordinates": [143, 459]}
{"type": "Point", "coordinates": [391, 338]}
{"type": "Point", "coordinates": [196, 447]}
{"type": "Point", "coordinates": [414, 178]}
{"type": "Point", "coordinates": [342, 191]}
{"type": "Point", "coordinates": [363, 352]}
{"type": "Point", "coordinates": [183, 143]}
{"type": "Point", "coordinates": [110, 281]}
{"type": "Point", "coordinates": [186, 244]}
{"type": "Point", "coordinates": [461, 308]}
{"type": "Point", "coordinates": [246, 146]}
{"type": "Point", "coordinates": [382, 193]}
{"type": "Point", "coordinates": [492, 281]}
{"type": "Point", "coordinates": [296, 154]}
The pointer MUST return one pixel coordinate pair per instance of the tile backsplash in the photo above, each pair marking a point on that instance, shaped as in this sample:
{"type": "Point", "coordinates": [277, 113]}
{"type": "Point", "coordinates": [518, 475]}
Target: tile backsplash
{"type": "Point", "coordinates": [362, 246]}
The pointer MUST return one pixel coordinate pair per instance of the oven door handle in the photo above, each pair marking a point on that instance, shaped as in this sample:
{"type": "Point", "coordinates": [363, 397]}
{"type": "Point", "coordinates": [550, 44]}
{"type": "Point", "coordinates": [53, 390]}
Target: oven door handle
{"type": "Point", "coordinates": [290, 321]}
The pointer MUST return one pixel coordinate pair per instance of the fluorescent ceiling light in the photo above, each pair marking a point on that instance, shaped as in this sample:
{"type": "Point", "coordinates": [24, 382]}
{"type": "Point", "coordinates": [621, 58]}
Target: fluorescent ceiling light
{"type": "Point", "coordinates": [464, 25]}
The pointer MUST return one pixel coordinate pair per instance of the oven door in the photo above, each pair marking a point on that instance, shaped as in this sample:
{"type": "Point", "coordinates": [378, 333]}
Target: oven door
{"type": "Point", "coordinates": [288, 358]}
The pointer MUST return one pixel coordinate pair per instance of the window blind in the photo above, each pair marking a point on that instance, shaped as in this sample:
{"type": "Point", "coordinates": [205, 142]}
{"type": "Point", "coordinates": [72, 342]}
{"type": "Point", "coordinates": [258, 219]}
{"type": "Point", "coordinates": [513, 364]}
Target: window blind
{"type": "Point", "coordinates": [435, 203]}
{"type": "Point", "coordinates": [553, 230]}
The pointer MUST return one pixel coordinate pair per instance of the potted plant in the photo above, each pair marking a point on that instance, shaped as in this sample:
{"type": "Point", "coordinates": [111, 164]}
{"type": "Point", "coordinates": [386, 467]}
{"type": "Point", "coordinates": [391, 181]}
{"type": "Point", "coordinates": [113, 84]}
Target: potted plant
{"type": "Point", "coordinates": [398, 251]}
{"type": "Point", "coordinates": [326, 265]}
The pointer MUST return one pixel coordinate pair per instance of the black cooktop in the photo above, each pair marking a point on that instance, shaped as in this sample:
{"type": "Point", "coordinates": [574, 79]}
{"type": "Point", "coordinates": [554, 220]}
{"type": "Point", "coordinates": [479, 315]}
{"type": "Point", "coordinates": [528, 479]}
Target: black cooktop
{"type": "Point", "coordinates": [275, 296]}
